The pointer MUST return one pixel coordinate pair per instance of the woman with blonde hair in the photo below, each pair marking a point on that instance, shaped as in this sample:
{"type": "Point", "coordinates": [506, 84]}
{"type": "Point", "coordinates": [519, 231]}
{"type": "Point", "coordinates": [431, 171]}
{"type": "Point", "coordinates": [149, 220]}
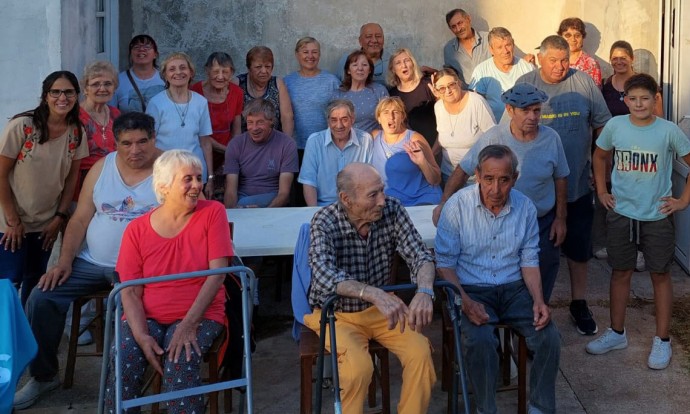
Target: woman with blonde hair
{"type": "Point", "coordinates": [414, 89]}
{"type": "Point", "coordinates": [182, 116]}
{"type": "Point", "coordinates": [403, 158]}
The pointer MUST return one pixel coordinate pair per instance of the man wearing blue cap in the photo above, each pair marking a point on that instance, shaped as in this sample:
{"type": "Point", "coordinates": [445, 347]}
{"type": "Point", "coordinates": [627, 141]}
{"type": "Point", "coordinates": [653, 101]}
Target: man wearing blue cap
{"type": "Point", "coordinates": [543, 171]}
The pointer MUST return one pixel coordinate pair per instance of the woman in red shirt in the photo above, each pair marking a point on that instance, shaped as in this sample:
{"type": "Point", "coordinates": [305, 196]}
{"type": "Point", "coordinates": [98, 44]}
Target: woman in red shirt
{"type": "Point", "coordinates": [177, 319]}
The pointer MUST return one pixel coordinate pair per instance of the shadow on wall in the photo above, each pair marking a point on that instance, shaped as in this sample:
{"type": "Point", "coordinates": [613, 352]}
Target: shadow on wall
{"type": "Point", "coordinates": [645, 62]}
{"type": "Point", "coordinates": [591, 45]}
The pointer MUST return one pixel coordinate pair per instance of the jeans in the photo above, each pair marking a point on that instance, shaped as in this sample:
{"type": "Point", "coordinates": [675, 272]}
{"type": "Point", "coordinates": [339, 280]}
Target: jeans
{"type": "Point", "coordinates": [549, 255]}
{"type": "Point", "coordinates": [261, 200]}
{"type": "Point", "coordinates": [46, 312]}
{"type": "Point", "coordinates": [26, 265]}
{"type": "Point", "coordinates": [511, 304]}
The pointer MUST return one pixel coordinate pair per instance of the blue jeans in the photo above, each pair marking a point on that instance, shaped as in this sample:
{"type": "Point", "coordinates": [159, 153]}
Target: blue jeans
{"type": "Point", "coordinates": [26, 265]}
{"type": "Point", "coordinates": [549, 255]}
{"type": "Point", "coordinates": [511, 304]}
{"type": "Point", "coordinates": [261, 200]}
{"type": "Point", "coordinates": [46, 312]}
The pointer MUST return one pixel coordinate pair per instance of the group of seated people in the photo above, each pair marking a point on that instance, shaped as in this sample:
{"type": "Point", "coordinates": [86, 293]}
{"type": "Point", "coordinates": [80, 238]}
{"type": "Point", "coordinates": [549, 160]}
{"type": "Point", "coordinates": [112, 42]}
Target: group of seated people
{"type": "Point", "coordinates": [144, 147]}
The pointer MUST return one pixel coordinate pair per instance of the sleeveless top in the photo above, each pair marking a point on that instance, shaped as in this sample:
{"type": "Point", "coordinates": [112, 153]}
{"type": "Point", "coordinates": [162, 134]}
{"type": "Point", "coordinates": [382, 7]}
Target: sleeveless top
{"type": "Point", "coordinates": [116, 205]}
{"type": "Point", "coordinates": [271, 95]}
{"type": "Point", "coordinates": [403, 178]}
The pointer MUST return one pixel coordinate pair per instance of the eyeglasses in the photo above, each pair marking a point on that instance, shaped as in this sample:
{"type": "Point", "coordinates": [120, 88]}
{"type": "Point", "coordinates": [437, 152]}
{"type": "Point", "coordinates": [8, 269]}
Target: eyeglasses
{"type": "Point", "coordinates": [69, 93]}
{"type": "Point", "coordinates": [442, 89]}
{"type": "Point", "coordinates": [145, 47]}
{"type": "Point", "coordinates": [99, 85]}
{"type": "Point", "coordinates": [576, 36]}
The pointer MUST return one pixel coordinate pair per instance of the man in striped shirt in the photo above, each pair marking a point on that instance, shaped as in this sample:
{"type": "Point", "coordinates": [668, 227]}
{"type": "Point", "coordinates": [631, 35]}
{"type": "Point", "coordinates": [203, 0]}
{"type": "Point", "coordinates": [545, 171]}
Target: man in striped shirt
{"type": "Point", "coordinates": [487, 244]}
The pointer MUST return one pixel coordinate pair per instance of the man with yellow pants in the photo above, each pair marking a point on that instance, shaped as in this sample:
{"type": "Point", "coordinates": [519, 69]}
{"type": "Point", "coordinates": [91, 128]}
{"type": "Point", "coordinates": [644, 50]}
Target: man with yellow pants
{"type": "Point", "coordinates": [353, 243]}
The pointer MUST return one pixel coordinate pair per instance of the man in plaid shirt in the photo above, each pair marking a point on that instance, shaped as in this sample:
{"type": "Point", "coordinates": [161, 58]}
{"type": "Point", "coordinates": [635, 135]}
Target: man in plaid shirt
{"type": "Point", "coordinates": [353, 243]}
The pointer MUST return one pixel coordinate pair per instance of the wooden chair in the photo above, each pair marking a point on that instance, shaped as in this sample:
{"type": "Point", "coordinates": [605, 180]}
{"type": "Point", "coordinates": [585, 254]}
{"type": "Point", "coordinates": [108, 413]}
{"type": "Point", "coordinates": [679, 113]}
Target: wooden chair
{"type": "Point", "coordinates": [309, 352]}
{"type": "Point", "coordinates": [448, 362]}
{"type": "Point", "coordinates": [97, 326]}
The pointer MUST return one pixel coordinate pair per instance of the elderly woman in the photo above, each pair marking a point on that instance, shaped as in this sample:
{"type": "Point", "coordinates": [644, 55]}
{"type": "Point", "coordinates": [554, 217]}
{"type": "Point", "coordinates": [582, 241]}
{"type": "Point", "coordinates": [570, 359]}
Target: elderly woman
{"type": "Point", "coordinates": [359, 88]}
{"type": "Point", "coordinates": [99, 83]}
{"type": "Point", "coordinates": [182, 117]}
{"type": "Point", "coordinates": [178, 319]}
{"type": "Point", "coordinates": [573, 31]}
{"type": "Point", "coordinates": [403, 158]}
{"type": "Point", "coordinates": [225, 104]}
{"type": "Point", "coordinates": [461, 117]}
{"type": "Point", "coordinates": [310, 90]}
{"type": "Point", "coordinates": [415, 91]}
{"type": "Point", "coordinates": [141, 82]}
{"type": "Point", "coordinates": [259, 82]}
{"type": "Point", "coordinates": [40, 153]}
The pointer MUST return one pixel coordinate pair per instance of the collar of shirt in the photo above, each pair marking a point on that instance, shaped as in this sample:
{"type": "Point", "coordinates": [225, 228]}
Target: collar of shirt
{"type": "Point", "coordinates": [354, 139]}
{"type": "Point", "coordinates": [477, 40]}
{"type": "Point", "coordinates": [480, 205]}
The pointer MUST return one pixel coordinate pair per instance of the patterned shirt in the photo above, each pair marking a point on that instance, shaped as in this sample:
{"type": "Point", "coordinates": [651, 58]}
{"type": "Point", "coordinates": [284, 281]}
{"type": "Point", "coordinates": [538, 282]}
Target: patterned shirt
{"type": "Point", "coordinates": [590, 66]}
{"type": "Point", "coordinates": [338, 253]}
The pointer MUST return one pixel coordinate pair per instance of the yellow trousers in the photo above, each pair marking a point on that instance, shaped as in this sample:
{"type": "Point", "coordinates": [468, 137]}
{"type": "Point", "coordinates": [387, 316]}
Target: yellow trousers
{"type": "Point", "coordinates": [353, 332]}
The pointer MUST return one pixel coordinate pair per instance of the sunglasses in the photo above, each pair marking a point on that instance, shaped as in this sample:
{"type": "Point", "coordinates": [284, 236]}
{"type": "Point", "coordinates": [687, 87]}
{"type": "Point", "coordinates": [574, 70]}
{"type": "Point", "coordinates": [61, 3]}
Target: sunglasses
{"type": "Point", "coordinates": [69, 93]}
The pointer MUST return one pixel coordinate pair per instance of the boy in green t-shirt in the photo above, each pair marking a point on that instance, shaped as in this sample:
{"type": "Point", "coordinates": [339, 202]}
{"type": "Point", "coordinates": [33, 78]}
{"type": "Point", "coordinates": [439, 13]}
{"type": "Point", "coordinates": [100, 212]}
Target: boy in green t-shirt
{"type": "Point", "coordinates": [640, 208]}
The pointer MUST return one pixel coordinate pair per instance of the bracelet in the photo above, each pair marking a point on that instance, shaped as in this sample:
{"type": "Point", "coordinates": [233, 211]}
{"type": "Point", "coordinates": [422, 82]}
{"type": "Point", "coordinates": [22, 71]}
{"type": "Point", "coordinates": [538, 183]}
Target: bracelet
{"type": "Point", "coordinates": [61, 215]}
{"type": "Point", "coordinates": [211, 176]}
{"type": "Point", "coordinates": [361, 292]}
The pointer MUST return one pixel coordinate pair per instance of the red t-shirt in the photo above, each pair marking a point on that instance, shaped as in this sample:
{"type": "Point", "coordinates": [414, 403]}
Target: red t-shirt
{"type": "Point", "coordinates": [144, 253]}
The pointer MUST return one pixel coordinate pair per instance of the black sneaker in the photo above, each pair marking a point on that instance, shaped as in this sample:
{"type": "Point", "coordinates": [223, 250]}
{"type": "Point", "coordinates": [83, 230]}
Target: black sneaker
{"type": "Point", "coordinates": [582, 317]}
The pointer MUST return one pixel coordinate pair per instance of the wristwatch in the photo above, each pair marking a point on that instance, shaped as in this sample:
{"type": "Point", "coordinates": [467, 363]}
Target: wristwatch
{"type": "Point", "coordinates": [428, 291]}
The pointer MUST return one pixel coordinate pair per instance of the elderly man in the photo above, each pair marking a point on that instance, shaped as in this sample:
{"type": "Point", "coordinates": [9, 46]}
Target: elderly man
{"type": "Point", "coordinates": [371, 41]}
{"type": "Point", "coordinates": [261, 163]}
{"type": "Point", "coordinates": [494, 76]}
{"type": "Point", "coordinates": [353, 243]}
{"type": "Point", "coordinates": [487, 244]}
{"type": "Point", "coordinates": [116, 190]}
{"type": "Point", "coordinates": [543, 172]}
{"type": "Point", "coordinates": [327, 152]}
{"type": "Point", "coordinates": [575, 109]}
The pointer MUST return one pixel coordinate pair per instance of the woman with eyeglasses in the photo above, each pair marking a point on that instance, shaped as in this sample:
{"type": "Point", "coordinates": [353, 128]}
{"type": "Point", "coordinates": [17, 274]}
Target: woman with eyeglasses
{"type": "Point", "coordinates": [461, 117]}
{"type": "Point", "coordinates": [573, 31]}
{"type": "Point", "coordinates": [40, 154]}
{"type": "Point", "coordinates": [141, 82]}
{"type": "Point", "coordinates": [99, 83]}
{"type": "Point", "coordinates": [359, 88]}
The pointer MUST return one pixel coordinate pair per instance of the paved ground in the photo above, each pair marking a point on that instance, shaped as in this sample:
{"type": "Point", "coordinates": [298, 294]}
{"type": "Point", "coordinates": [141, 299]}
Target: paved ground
{"type": "Point", "coordinates": [619, 382]}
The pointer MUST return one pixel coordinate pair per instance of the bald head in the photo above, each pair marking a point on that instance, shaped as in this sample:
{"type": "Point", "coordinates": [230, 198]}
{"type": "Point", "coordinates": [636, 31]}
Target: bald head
{"type": "Point", "coordinates": [371, 40]}
{"type": "Point", "coordinates": [353, 174]}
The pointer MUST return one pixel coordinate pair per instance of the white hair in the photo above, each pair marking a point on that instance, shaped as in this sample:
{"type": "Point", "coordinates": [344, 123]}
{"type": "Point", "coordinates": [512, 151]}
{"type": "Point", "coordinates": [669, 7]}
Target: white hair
{"type": "Point", "coordinates": [167, 165]}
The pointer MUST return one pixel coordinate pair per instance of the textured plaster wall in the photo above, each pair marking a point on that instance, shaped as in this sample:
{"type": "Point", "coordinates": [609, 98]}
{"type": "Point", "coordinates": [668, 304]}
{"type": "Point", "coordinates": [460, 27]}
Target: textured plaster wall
{"type": "Point", "coordinates": [202, 26]}
{"type": "Point", "coordinates": [30, 45]}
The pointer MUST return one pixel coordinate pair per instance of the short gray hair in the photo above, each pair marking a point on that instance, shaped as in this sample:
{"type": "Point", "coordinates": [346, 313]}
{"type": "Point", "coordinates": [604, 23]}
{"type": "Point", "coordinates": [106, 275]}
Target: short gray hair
{"type": "Point", "coordinates": [99, 68]}
{"type": "Point", "coordinates": [340, 103]}
{"type": "Point", "coordinates": [497, 152]}
{"type": "Point", "coordinates": [260, 106]}
{"type": "Point", "coordinates": [167, 165]}
{"type": "Point", "coordinates": [499, 33]}
{"type": "Point", "coordinates": [554, 42]}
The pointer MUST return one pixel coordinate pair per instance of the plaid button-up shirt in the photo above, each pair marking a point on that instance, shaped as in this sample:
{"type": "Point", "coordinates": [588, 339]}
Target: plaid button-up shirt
{"type": "Point", "coordinates": [338, 253]}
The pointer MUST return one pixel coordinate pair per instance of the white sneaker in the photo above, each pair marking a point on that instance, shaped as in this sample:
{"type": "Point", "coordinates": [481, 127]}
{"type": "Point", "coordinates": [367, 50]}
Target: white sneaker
{"type": "Point", "coordinates": [660, 356]}
{"type": "Point", "coordinates": [607, 342]}
{"type": "Point", "coordinates": [28, 395]}
{"type": "Point", "coordinates": [601, 254]}
{"type": "Point", "coordinates": [640, 264]}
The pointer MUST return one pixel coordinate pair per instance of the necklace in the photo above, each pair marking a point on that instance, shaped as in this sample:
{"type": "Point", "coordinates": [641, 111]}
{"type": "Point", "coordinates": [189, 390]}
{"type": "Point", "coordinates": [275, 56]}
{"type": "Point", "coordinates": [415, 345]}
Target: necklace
{"type": "Point", "coordinates": [181, 109]}
{"type": "Point", "coordinates": [453, 124]}
{"type": "Point", "coordinates": [103, 125]}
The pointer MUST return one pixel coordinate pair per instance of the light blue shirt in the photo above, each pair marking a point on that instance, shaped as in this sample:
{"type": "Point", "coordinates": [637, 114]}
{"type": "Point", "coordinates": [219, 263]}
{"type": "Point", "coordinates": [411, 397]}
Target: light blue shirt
{"type": "Point", "coordinates": [486, 249]}
{"type": "Point", "coordinates": [490, 82]}
{"type": "Point", "coordinates": [541, 162]}
{"type": "Point", "coordinates": [309, 97]}
{"type": "Point", "coordinates": [323, 160]}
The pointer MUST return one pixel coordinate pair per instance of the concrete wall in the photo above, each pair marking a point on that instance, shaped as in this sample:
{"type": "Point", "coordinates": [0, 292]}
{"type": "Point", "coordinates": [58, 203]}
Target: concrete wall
{"type": "Point", "coordinates": [30, 45]}
{"type": "Point", "coordinates": [203, 26]}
